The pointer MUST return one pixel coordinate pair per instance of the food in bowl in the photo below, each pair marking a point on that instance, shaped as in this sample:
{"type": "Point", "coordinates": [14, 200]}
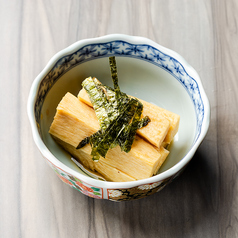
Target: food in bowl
{"type": "Point", "coordinates": [99, 129]}
{"type": "Point", "coordinates": [148, 71]}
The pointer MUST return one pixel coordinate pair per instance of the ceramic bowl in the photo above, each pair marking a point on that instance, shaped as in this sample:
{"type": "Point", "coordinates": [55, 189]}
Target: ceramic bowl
{"type": "Point", "coordinates": [146, 70]}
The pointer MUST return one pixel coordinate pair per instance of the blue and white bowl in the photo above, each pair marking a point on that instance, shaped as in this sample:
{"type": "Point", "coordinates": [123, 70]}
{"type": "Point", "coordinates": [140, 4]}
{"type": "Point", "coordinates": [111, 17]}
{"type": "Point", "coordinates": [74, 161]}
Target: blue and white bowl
{"type": "Point", "coordinates": [145, 70]}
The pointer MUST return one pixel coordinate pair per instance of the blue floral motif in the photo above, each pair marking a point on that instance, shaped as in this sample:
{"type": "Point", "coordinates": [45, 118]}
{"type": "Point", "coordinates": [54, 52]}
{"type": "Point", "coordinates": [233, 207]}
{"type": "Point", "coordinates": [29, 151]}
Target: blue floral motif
{"type": "Point", "coordinates": [123, 48]}
{"type": "Point", "coordinates": [135, 50]}
{"type": "Point", "coordinates": [158, 56]}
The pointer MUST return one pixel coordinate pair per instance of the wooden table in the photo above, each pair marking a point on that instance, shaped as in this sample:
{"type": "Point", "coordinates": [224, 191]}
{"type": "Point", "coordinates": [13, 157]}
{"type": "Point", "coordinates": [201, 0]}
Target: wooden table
{"type": "Point", "coordinates": [203, 202]}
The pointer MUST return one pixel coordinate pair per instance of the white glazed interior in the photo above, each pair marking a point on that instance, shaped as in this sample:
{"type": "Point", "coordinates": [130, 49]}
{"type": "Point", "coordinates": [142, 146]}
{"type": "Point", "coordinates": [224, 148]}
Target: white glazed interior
{"type": "Point", "coordinates": [138, 78]}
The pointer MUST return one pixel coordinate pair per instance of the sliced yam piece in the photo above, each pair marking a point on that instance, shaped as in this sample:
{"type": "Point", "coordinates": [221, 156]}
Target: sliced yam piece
{"type": "Point", "coordinates": [172, 117]}
{"type": "Point", "coordinates": [155, 132]}
{"type": "Point", "coordinates": [141, 162]}
{"type": "Point", "coordinates": [71, 112]}
{"type": "Point", "coordinates": [164, 154]}
{"type": "Point", "coordinates": [74, 121]}
{"type": "Point", "coordinates": [108, 172]}
{"type": "Point", "coordinates": [113, 174]}
{"type": "Point", "coordinates": [83, 96]}
{"type": "Point", "coordinates": [157, 129]}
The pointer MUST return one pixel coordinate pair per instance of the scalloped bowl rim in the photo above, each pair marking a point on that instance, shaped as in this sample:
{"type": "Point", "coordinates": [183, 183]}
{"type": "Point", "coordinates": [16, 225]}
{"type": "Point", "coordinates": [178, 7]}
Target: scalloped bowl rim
{"type": "Point", "coordinates": [132, 39]}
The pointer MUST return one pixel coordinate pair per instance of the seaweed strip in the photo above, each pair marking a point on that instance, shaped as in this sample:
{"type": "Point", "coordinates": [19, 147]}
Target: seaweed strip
{"type": "Point", "coordinates": [144, 122]}
{"type": "Point", "coordinates": [130, 130]}
{"type": "Point", "coordinates": [103, 145]}
{"type": "Point", "coordinates": [84, 142]}
{"type": "Point", "coordinates": [98, 99]}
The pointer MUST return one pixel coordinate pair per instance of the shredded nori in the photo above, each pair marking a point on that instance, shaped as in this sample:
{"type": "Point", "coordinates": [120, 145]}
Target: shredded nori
{"type": "Point", "coordinates": [98, 99]}
{"type": "Point", "coordinates": [143, 122]}
{"type": "Point", "coordinates": [113, 68]}
{"type": "Point", "coordinates": [84, 142]}
{"type": "Point", "coordinates": [119, 116]}
{"type": "Point", "coordinates": [111, 132]}
{"type": "Point", "coordinates": [130, 130]}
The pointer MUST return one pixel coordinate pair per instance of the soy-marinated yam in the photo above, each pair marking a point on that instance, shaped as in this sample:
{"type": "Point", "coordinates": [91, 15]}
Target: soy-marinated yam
{"type": "Point", "coordinates": [164, 154]}
{"type": "Point", "coordinates": [75, 121]}
{"type": "Point", "coordinates": [69, 113]}
{"type": "Point", "coordinates": [172, 117]}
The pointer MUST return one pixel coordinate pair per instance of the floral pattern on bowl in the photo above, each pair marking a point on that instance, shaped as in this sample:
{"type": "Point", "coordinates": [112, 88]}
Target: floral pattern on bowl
{"type": "Point", "coordinates": [77, 184]}
{"type": "Point", "coordinates": [137, 192]}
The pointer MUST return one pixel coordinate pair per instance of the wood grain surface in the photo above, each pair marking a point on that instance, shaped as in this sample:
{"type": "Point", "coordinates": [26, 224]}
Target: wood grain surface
{"type": "Point", "coordinates": [202, 202]}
